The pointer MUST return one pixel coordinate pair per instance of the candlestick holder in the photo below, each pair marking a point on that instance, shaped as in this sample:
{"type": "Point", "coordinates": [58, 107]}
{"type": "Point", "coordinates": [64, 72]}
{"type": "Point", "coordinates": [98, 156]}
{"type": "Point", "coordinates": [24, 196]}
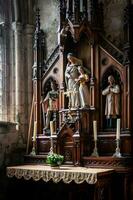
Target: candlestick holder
{"type": "Point", "coordinates": [51, 145]}
{"type": "Point", "coordinates": [95, 152]}
{"type": "Point", "coordinates": [117, 153]}
{"type": "Point", "coordinates": [33, 152]}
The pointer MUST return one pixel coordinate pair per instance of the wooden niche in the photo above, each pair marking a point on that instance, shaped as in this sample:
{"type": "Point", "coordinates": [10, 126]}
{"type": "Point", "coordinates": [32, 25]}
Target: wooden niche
{"type": "Point", "coordinates": [107, 133]}
{"type": "Point", "coordinates": [49, 112]}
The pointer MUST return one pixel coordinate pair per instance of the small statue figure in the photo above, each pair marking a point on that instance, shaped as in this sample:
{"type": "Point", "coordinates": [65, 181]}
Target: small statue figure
{"type": "Point", "coordinates": [71, 74]}
{"type": "Point", "coordinates": [112, 106]}
{"type": "Point", "coordinates": [50, 105]}
{"type": "Point", "coordinates": [83, 89]}
{"type": "Point", "coordinates": [62, 36]}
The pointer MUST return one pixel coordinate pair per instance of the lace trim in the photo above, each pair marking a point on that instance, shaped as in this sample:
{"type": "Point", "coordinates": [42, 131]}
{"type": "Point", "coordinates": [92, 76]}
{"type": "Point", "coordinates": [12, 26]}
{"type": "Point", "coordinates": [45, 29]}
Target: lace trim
{"type": "Point", "coordinates": [78, 175]}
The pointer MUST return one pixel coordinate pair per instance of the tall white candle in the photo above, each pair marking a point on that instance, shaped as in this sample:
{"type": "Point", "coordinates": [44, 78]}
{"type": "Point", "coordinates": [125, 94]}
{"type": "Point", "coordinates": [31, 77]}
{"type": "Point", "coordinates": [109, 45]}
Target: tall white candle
{"type": "Point", "coordinates": [73, 6]}
{"type": "Point", "coordinates": [118, 129]}
{"type": "Point", "coordinates": [51, 127]}
{"type": "Point", "coordinates": [92, 61]}
{"type": "Point", "coordinates": [17, 126]}
{"type": "Point", "coordinates": [81, 5]}
{"type": "Point", "coordinates": [68, 5]}
{"type": "Point", "coordinates": [95, 130]}
{"type": "Point", "coordinates": [35, 131]}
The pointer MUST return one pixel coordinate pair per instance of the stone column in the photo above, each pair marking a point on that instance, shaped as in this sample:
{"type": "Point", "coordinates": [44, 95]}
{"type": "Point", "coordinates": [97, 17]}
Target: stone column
{"type": "Point", "coordinates": [19, 79]}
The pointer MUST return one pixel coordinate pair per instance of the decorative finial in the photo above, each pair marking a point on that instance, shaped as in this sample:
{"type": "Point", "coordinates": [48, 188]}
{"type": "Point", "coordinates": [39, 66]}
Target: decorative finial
{"type": "Point", "coordinates": [37, 19]}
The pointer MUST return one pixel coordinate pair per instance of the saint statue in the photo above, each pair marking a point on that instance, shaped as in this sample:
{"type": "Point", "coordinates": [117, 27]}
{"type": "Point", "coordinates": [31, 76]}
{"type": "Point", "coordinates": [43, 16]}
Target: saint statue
{"type": "Point", "coordinates": [50, 105]}
{"type": "Point", "coordinates": [71, 74]}
{"type": "Point", "coordinates": [83, 88]}
{"type": "Point", "coordinates": [112, 106]}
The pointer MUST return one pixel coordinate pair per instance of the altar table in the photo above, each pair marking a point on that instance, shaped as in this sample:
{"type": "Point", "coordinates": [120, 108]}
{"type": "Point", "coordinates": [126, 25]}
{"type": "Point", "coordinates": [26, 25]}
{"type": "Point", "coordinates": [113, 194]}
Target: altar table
{"type": "Point", "coordinates": [100, 178]}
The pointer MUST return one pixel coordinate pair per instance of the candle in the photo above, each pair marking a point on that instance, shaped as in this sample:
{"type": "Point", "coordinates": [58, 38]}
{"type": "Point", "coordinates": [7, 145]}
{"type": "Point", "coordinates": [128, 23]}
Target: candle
{"type": "Point", "coordinates": [118, 129]}
{"type": "Point", "coordinates": [17, 126]}
{"type": "Point", "coordinates": [81, 5]}
{"type": "Point", "coordinates": [73, 6]}
{"type": "Point", "coordinates": [92, 61]}
{"type": "Point", "coordinates": [52, 127]}
{"type": "Point", "coordinates": [35, 131]}
{"type": "Point", "coordinates": [95, 130]}
{"type": "Point", "coordinates": [68, 5]}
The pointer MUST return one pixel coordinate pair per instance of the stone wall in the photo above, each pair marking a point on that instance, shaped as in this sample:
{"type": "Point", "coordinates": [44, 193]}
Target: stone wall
{"type": "Point", "coordinates": [11, 142]}
{"type": "Point", "coordinates": [17, 87]}
{"type": "Point", "coordinates": [11, 153]}
{"type": "Point", "coordinates": [49, 12]}
{"type": "Point", "coordinates": [113, 20]}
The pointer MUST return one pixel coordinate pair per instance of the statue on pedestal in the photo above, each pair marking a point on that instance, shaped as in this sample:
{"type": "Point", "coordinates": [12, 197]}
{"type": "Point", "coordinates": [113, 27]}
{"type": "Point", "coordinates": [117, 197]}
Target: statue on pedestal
{"type": "Point", "coordinates": [112, 106]}
{"type": "Point", "coordinates": [76, 80]}
{"type": "Point", "coordinates": [50, 106]}
{"type": "Point", "coordinates": [83, 88]}
{"type": "Point", "coordinates": [71, 74]}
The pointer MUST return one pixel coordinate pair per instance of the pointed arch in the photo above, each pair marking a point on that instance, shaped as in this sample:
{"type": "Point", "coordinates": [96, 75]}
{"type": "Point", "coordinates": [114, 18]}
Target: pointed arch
{"type": "Point", "coordinates": [112, 70]}
{"type": "Point", "coordinates": [66, 144]}
{"type": "Point", "coordinates": [46, 85]}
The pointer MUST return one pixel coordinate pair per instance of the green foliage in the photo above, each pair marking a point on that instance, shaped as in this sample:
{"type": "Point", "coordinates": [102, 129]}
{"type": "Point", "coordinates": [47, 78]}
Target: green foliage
{"type": "Point", "coordinates": [54, 159]}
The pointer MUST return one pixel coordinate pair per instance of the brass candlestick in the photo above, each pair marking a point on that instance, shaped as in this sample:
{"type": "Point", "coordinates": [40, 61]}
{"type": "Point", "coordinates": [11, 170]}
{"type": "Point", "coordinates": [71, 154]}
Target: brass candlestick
{"type": "Point", "coordinates": [117, 153]}
{"type": "Point", "coordinates": [51, 145]}
{"type": "Point", "coordinates": [95, 152]}
{"type": "Point", "coordinates": [33, 152]}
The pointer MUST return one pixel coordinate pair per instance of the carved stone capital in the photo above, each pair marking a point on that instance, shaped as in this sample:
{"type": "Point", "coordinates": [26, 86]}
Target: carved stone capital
{"type": "Point", "coordinates": [17, 27]}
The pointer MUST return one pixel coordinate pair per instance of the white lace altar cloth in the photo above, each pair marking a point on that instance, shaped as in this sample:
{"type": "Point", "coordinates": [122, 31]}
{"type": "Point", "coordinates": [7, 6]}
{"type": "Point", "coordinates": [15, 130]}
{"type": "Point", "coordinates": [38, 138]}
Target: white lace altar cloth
{"type": "Point", "coordinates": [65, 174]}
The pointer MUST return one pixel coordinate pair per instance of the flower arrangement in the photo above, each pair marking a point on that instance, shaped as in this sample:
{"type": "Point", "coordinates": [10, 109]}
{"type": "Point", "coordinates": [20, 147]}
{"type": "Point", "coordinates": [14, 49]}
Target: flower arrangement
{"type": "Point", "coordinates": [54, 159]}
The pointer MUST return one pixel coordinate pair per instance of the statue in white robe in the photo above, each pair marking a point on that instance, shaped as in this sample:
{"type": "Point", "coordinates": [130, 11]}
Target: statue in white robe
{"type": "Point", "coordinates": [112, 106]}
{"type": "Point", "coordinates": [71, 74]}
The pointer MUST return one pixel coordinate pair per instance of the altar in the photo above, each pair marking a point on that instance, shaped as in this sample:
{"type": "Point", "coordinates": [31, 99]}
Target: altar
{"type": "Point", "coordinates": [73, 182]}
{"type": "Point", "coordinates": [80, 109]}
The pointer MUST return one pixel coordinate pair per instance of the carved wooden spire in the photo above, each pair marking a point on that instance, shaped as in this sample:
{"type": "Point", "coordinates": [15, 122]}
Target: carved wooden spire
{"type": "Point", "coordinates": [37, 76]}
{"type": "Point", "coordinates": [37, 20]}
{"type": "Point", "coordinates": [78, 10]}
{"type": "Point", "coordinates": [128, 33]}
